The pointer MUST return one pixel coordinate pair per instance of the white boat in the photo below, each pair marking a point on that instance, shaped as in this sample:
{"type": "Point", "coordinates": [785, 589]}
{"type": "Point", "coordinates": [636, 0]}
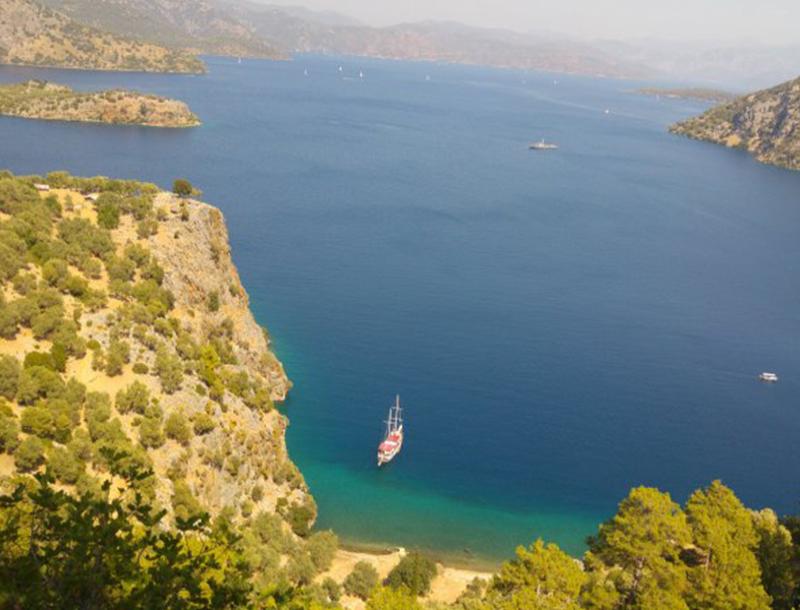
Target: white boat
{"type": "Point", "coordinates": [361, 75]}
{"type": "Point", "coordinates": [305, 72]}
{"type": "Point", "coordinates": [768, 377]}
{"type": "Point", "coordinates": [542, 145]}
{"type": "Point", "coordinates": [393, 441]}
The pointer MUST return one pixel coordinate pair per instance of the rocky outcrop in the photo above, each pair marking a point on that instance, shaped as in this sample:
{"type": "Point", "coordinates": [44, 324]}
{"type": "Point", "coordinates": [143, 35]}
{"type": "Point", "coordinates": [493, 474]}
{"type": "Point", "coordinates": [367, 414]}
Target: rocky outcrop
{"type": "Point", "coordinates": [49, 101]}
{"type": "Point", "coordinates": [765, 123]}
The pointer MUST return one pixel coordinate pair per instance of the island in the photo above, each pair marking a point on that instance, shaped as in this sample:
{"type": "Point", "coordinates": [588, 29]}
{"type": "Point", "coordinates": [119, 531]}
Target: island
{"type": "Point", "coordinates": [35, 35]}
{"type": "Point", "coordinates": [765, 123]}
{"type": "Point", "coordinates": [36, 99]}
{"type": "Point", "coordinates": [688, 93]}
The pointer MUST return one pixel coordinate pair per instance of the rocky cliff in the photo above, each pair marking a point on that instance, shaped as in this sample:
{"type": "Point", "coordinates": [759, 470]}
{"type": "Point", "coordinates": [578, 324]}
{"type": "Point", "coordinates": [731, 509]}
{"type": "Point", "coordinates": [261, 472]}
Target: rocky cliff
{"type": "Point", "coordinates": [49, 101]}
{"type": "Point", "coordinates": [765, 123]}
{"type": "Point", "coordinates": [126, 339]}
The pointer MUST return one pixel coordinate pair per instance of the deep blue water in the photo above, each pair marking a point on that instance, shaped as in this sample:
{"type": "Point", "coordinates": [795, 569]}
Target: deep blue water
{"type": "Point", "coordinates": [561, 326]}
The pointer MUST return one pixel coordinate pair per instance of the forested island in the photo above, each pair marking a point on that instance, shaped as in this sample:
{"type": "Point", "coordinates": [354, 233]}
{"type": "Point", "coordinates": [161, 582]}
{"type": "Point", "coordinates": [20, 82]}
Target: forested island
{"type": "Point", "coordinates": [689, 93]}
{"type": "Point", "coordinates": [49, 101]}
{"type": "Point", "coordinates": [765, 123]}
{"type": "Point", "coordinates": [143, 462]}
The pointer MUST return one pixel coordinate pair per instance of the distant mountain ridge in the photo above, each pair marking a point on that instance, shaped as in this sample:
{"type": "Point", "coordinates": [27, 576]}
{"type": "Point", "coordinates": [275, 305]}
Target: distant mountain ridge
{"type": "Point", "coordinates": [32, 34]}
{"type": "Point", "coordinates": [765, 123]}
{"type": "Point", "coordinates": [244, 28]}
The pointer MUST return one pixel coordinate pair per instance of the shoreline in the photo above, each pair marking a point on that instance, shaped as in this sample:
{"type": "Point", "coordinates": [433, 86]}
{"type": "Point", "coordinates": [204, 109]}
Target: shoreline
{"type": "Point", "coordinates": [447, 586]}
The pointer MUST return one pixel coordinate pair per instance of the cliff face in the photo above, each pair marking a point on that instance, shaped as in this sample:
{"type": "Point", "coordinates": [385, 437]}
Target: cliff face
{"type": "Point", "coordinates": [127, 329]}
{"type": "Point", "coordinates": [48, 101]}
{"type": "Point", "coordinates": [765, 123]}
{"type": "Point", "coordinates": [33, 35]}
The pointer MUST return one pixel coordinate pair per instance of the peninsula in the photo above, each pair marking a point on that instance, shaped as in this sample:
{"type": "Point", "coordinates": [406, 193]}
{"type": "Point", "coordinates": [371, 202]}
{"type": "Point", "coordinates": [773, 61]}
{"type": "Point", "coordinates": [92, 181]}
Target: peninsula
{"type": "Point", "coordinates": [49, 101]}
{"type": "Point", "coordinates": [765, 123]}
{"type": "Point", "coordinates": [34, 35]}
{"type": "Point", "coordinates": [689, 93]}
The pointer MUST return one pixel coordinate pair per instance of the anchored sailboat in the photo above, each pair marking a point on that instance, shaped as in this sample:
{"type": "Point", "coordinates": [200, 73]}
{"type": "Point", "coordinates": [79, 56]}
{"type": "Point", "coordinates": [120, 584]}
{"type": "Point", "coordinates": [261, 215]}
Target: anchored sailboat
{"type": "Point", "coordinates": [393, 441]}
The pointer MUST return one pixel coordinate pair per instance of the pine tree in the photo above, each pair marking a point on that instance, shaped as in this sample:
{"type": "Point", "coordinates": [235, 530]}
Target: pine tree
{"type": "Point", "coordinates": [643, 541]}
{"type": "Point", "coordinates": [727, 576]}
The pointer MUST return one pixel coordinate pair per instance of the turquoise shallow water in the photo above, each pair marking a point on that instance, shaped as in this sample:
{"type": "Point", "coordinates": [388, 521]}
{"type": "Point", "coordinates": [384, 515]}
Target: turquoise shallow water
{"type": "Point", "coordinates": [560, 326]}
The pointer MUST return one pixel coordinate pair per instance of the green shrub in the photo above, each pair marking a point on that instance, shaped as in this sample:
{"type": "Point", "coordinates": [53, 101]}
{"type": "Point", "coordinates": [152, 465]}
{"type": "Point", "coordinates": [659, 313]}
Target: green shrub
{"type": "Point", "coordinates": [29, 455]}
{"type": "Point", "coordinates": [117, 356]}
{"type": "Point", "coordinates": [9, 434]}
{"type": "Point", "coordinates": [169, 369]}
{"type": "Point", "coordinates": [362, 580]}
{"type": "Point", "coordinates": [64, 466]}
{"type": "Point", "coordinates": [107, 213]}
{"type": "Point", "coordinates": [38, 421]}
{"type": "Point", "coordinates": [54, 272]}
{"type": "Point", "coordinates": [182, 188]}
{"type": "Point", "coordinates": [24, 283]}
{"type": "Point", "coordinates": [414, 572]}
{"type": "Point", "coordinates": [38, 359]}
{"type": "Point", "coordinates": [177, 428]}
{"type": "Point", "coordinates": [300, 569]}
{"type": "Point", "coordinates": [184, 504]}
{"type": "Point", "coordinates": [58, 356]}
{"type": "Point", "coordinates": [9, 376]}
{"type": "Point", "coordinates": [321, 547]}
{"type": "Point", "coordinates": [332, 589]}
{"type": "Point", "coordinates": [301, 516]}
{"type": "Point", "coordinates": [203, 423]}
{"type": "Point", "coordinates": [150, 433]}
{"type": "Point", "coordinates": [213, 301]}
{"type": "Point", "coordinates": [38, 382]}
{"type": "Point", "coordinates": [9, 325]}
{"type": "Point", "coordinates": [134, 398]}
{"type": "Point", "coordinates": [98, 406]}
{"type": "Point", "coordinates": [140, 368]}
{"type": "Point", "coordinates": [80, 446]}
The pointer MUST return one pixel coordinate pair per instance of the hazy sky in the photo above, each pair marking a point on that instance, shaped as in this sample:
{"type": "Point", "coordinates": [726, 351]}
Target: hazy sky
{"type": "Point", "coordinates": [765, 21]}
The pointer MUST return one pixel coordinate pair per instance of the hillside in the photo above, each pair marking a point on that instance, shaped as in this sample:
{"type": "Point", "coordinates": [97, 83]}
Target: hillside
{"type": "Point", "coordinates": [134, 334]}
{"type": "Point", "coordinates": [197, 25]}
{"type": "Point", "coordinates": [243, 28]}
{"type": "Point", "coordinates": [34, 35]}
{"type": "Point", "coordinates": [765, 123]}
{"type": "Point", "coordinates": [49, 101]}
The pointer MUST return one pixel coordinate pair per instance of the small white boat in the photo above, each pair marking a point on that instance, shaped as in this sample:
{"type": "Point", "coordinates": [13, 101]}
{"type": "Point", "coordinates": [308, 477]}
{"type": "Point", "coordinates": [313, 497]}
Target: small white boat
{"type": "Point", "coordinates": [340, 69]}
{"type": "Point", "coordinates": [361, 75]}
{"type": "Point", "coordinates": [768, 377]}
{"type": "Point", "coordinates": [305, 72]}
{"type": "Point", "coordinates": [542, 145]}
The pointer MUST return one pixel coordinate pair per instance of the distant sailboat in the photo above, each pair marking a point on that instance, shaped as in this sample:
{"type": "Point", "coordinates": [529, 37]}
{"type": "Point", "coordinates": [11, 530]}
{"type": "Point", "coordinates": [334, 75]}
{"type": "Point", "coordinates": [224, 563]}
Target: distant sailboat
{"type": "Point", "coordinates": [240, 60]}
{"type": "Point", "coordinates": [340, 69]}
{"type": "Point", "coordinates": [305, 72]}
{"type": "Point", "coordinates": [361, 75]}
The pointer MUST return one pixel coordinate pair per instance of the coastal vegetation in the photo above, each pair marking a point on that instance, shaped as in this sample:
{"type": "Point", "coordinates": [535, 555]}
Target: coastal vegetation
{"type": "Point", "coordinates": [43, 100]}
{"type": "Point", "coordinates": [765, 123]}
{"type": "Point", "coordinates": [143, 462]}
{"type": "Point", "coordinates": [35, 35]}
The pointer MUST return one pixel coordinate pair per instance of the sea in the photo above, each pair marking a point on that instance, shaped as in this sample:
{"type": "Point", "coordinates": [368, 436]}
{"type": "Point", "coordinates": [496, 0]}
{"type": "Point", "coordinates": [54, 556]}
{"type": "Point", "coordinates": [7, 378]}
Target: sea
{"type": "Point", "coordinates": [560, 326]}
